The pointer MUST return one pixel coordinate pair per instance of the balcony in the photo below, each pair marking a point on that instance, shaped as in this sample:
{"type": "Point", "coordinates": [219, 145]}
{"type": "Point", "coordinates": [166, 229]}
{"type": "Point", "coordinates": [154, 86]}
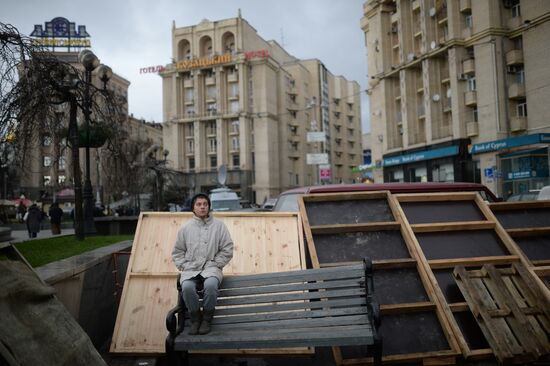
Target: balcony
{"type": "Point", "coordinates": [470, 98]}
{"type": "Point", "coordinates": [447, 105]}
{"type": "Point", "coordinates": [232, 77]}
{"type": "Point", "coordinates": [466, 32]}
{"type": "Point", "coordinates": [465, 6]}
{"type": "Point", "coordinates": [469, 66]}
{"type": "Point", "coordinates": [516, 91]}
{"type": "Point", "coordinates": [518, 124]}
{"type": "Point", "coordinates": [514, 57]}
{"type": "Point", "coordinates": [472, 129]}
{"type": "Point", "coordinates": [394, 18]}
{"type": "Point", "coordinates": [514, 22]}
{"type": "Point", "coordinates": [210, 99]}
{"type": "Point", "coordinates": [234, 97]}
{"type": "Point", "coordinates": [188, 83]}
{"type": "Point", "coordinates": [189, 102]}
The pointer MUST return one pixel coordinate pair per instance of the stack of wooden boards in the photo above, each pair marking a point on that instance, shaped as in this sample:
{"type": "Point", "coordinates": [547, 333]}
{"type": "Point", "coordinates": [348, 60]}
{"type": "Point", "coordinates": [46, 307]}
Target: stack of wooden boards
{"type": "Point", "coordinates": [427, 250]}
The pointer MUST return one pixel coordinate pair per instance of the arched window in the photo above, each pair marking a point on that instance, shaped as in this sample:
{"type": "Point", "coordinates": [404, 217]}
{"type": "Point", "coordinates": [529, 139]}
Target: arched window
{"type": "Point", "coordinates": [206, 46]}
{"type": "Point", "coordinates": [228, 43]}
{"type": "Point", "coordinates": [184, 50]}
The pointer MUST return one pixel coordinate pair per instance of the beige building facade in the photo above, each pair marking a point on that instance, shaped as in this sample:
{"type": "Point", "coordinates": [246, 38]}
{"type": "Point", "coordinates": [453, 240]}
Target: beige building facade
{"type": "Point", "coordinates": [459, 91]}
{"type": "Point", "coordinates": [275, 122]}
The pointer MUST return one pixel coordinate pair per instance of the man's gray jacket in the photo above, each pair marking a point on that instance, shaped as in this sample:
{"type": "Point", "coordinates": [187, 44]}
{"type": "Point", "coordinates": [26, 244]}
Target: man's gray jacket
{"type": "Point", "coordinates": [202, 247]}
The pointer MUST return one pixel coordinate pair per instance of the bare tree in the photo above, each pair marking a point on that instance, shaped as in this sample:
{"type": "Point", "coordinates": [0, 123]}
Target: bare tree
{"type": "Point", "coordinates": [34, 86]}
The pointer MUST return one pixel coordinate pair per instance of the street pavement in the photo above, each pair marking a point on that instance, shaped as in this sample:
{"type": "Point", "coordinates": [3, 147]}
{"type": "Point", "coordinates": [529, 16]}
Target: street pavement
{"type": "Point", "coordinates": [23, 235]}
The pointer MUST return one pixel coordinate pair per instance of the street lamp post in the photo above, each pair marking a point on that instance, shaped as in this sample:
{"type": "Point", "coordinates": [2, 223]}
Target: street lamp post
{"type": "Point", "coordinates": [90, 62]}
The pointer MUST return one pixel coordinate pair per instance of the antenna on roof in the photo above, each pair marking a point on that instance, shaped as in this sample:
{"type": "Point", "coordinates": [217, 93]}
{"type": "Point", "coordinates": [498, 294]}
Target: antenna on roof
{"type": "Point", "coordinates": [282, 38]}
{"type": "Point", "coordinates": [239, 13]}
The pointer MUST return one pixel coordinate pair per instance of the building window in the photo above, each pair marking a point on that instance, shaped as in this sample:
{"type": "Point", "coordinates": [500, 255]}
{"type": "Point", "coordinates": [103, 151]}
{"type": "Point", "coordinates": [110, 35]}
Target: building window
{"type": "Point", "coordinates": [350, 119]}
{"type": "Point", "coordinates": [61, 179]}
{"type": "Point", "coordinates": [213, 162]}
{"type": "Point", "coordinates": [472, 83]}
{"type": "Point", "coordinates": [235, 126]}
{"type": "Point", "coordinates": [191, 162]}
{"type": "Point", "coordinates": [521, 109]}
{"type": "Point", "coordinates": [190, 146]}
{"type": "Point", "coordinates": [47, 161]}
{"type": "Point", "coordinates": [234, 106]}
{"type": "Point", "coordinates": [518, 43]}
{"type": "Point", "coordinates": [211, 92]}
{"type": "Point", "coordinates": [47, 180]}
{"type": "Point", "coordinates": [212, 109]}
{"type": "Point", "coordinates": [211, 128]}
{"type": "Point", "coordinates": [190, 130]}
{"type": "Point", "coordinates": [516, 10]}
{"type": "Point", "coordinates": [520, 76]}
{"type": "Point", "coordinates": [62, 163]}
{"type": "Point", "coordinates": [235, 143]}
{"type": "Point", "coordinates": [474, 115]}
{"type": "Point", "coordinates": [189, 94]}
{"type": "Point", "coordinates": [212, 145]}
{"type": "Point", "coordinates": [46, 140]}
{"type": "Point", "coordinates": [233, 90]}
{"type": "Point", "coordinates": [236, 161]}
{"type": "Point", "coordinates": [468, 21]}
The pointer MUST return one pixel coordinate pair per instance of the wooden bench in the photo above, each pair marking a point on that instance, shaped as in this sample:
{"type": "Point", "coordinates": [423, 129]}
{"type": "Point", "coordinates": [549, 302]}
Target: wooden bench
{"type": "Point", "coordinates": [306, 308]}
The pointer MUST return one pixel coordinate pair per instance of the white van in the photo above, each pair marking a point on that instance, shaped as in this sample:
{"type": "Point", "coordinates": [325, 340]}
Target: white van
{"type": "Point", "coordinates": [224, 199]}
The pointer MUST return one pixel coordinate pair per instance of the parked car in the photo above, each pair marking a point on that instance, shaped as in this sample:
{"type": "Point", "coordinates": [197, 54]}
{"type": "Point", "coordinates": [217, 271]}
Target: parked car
{"type": "Point", "coordinates": [544, 193]}
{"type": "Point", "coordinates": [288, 200]}
{"type": "Point", "coordinates": [530, 195]}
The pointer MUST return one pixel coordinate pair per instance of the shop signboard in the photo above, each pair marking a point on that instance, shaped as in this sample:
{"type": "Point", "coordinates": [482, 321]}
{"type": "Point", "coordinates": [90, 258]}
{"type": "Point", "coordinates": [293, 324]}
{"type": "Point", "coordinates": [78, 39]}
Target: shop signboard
{"type": "Point", "coordinates": [421, 155]}
{"type": "Point", "coordinates": [316, 159]}
{"type": "Point", "coordinates": [316, 136]}
{"type": "Point", "coordinates": [511, 142]}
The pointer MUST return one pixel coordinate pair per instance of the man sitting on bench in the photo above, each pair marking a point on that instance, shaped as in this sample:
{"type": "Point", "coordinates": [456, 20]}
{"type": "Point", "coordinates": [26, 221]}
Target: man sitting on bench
{"type": "Point", "coordinates": [203, 247]}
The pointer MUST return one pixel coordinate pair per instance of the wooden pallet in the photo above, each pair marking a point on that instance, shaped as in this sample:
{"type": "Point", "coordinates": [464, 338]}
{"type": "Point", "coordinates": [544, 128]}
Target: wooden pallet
{"type": "Point", "coordinates": [344, 227]}
{"type": "Point", "coordinates": [511, 310]}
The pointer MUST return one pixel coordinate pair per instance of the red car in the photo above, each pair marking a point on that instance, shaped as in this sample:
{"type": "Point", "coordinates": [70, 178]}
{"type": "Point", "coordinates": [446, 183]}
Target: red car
{"type": "Point", "coordinates": [288, 200]}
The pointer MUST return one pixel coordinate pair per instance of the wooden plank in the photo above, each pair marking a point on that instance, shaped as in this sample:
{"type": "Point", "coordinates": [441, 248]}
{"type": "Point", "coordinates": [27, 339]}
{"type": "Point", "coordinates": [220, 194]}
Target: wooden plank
{"type": "Point", "coordinates": [450, 263]}
{"type": "Point", "coordinates": [455, 226]}
{"type": "Point", "coordinates": [296, 323]}
{"type": "Point", "coordinates": [263, 317]}
{"type": "Point", "coordinates": [527, 232]}
{"type": "Point", "coordinates": [378, 264]}
{"type": "Point", "coordinates": [223, 292]}
{"type": "Point", "coordinates": [277, 338]}
{"type": "Point", "coordinates": [348, 196]}
{"type": "Point", "coordinates": [349, 228]}
{"type": "Point", "coordinates": [505, 206]}
{"type": "Point", "coordinates": [314, 295]}
{"type": "Point", "coordinates": [414, 307]}
{"type": "Point", "coordinates": [435, 197]}
{"type": "Point", "coordinates": [263, 242]}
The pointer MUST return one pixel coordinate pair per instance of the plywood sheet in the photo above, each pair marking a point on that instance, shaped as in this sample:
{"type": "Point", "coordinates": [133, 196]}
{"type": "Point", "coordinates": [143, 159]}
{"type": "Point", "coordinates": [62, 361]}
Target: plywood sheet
{"type": "Point", "coordinates": [263, 242]}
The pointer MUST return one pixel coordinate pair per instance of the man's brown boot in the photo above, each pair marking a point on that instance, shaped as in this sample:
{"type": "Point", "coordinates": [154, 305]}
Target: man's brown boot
{"type": "Point", "coordinates": [206, 321]}
{"type": "Point", "coordinates": [195, 317]}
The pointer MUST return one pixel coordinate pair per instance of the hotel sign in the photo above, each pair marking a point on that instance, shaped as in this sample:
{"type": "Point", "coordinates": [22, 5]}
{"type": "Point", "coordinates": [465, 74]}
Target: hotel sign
{"type": "Point", "coordinates": [59, 32]}
{"type": "Point", "coordinates": [203, 62]}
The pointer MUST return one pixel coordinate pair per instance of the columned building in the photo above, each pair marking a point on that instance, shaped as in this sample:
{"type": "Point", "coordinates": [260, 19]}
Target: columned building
{"type": "Point", "coordinates": [459, 91]}
{"type": "Point", "coordinates": [233, 99]}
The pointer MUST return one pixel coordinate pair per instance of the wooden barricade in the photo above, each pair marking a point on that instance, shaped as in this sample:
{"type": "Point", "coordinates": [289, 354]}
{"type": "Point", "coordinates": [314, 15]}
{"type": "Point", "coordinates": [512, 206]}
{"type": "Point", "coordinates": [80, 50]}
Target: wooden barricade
{"type": "Point", "coordinates": [263, 242]}
{"type": "Point", "coordinates": [344, 227]}
{"type": "Point", "coordinates": [528, 223]}
{"type": "Point", "coordinates": [510, 309]}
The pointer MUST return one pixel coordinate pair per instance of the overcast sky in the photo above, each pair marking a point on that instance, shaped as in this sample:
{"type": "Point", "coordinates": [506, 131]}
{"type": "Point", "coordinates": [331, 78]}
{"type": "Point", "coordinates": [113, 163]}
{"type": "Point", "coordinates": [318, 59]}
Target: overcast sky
{"type": "Point", "coordinates": [128, 35]}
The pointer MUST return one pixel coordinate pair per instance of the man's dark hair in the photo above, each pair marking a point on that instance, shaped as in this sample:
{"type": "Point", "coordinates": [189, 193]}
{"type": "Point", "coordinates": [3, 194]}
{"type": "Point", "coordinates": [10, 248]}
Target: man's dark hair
{"type": "Point", "coordinates": [197, 196]}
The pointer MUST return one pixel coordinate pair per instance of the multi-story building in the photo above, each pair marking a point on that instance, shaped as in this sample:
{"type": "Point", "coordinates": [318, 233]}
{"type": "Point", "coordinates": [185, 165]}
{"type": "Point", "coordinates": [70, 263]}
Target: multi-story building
{"type": "Point", "coordinates": [233, 99]}
{"type": "Point", "coordinates": [450, 85]}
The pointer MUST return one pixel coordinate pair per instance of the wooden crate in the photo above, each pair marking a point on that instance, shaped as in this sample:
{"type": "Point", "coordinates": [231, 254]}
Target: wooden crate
{"type": "Point", "coordinates": [345, 227]}
{"type": "Point", "coordinates": [263, 242]}
{"type": "Point", "coordinates": [511, 310]}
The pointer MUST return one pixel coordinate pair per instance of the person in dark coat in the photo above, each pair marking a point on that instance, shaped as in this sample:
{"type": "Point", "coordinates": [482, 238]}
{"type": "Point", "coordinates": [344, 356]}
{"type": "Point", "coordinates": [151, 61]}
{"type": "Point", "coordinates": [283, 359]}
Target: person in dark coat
{"type": "Point", "coordinates": [55, 218]}
{"type": "Point", "coordinates": [33, 219]}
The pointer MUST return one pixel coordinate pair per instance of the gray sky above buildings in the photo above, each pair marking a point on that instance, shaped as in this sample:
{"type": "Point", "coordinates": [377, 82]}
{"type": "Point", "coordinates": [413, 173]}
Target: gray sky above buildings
{"type": "Point", "coordinates": [129, 35]}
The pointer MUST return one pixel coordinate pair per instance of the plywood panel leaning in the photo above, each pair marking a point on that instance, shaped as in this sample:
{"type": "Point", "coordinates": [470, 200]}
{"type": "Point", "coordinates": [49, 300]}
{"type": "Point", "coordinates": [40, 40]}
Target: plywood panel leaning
{"type": "Point", "coordinates": [264, 242]}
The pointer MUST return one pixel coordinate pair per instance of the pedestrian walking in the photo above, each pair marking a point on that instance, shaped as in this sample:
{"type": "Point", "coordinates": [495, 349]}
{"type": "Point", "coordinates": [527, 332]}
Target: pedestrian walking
{"type": "Point", "coordinates": [56, 214]}
{"type": "Point", "coordinates": [33, 218]}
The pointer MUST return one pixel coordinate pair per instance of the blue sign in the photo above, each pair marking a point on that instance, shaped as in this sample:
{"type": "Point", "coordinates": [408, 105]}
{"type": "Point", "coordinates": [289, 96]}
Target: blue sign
{"type": "Point", "coordinates": [60, 32]}
{"type": "Point", "coordinates": [422, 155]}
{"type": "Point", "coordinates": [488, 172]}
{"type": "Point", "coordinates": [511, 142]}
{"type": "Point", "coordinates": [521, 175]}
